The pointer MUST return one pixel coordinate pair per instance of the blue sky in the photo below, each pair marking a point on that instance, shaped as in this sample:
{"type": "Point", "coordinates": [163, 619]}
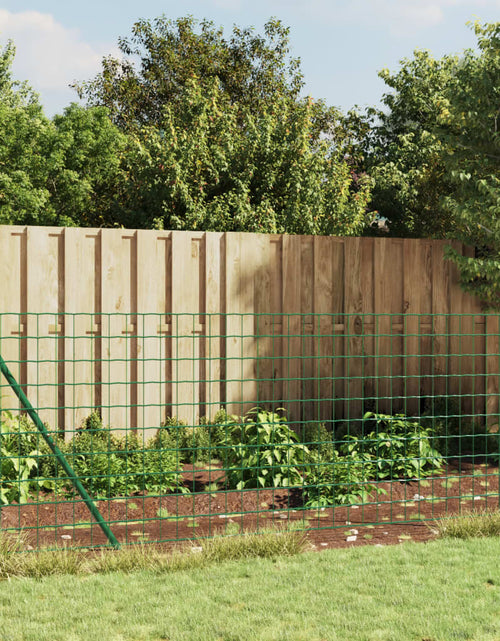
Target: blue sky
{"type": "Point", "coordinates": [342, 43]}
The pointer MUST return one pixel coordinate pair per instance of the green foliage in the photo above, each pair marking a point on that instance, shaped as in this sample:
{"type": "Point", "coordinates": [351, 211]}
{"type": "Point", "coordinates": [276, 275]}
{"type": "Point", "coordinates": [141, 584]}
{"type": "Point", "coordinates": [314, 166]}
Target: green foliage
{"type": "Point", "coordinates": [220, 138]}
{"type": "Point", "coordinates": [163, 56]}
{"type": "Point", "coordinates": [404, 153]}
{"type": "Point", "coordinates": [264, 452]}
{"type": "Point", "coordinates": [191, 443]}
{"type": "Point", "coordinates": [470, 124]}
{"type": "Point", "coordinates": [318, 439]}
{"type": "Point", "coordinates": [457, 435]}
{"type": "Point", "coordinates": [397, 448]}
{"type": "Point", "coordinates": [23, 452]}
{"type": "Point", "coordinates": [65, 171]}
{"type": "Point", "coordinates": [18, 459]}
{"type": "Point", "coordinates": [110, 465]}
{"type": "Point", "coordinates": [434, 154]}
{"type": "Point", "coordinates": [344, 480]}
{"type": "Point", "coordinates": [218, 166]}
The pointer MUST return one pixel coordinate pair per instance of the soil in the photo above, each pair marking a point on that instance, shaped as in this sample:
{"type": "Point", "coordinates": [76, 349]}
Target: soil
{"type": "Point", "coordinates": [404, 513]}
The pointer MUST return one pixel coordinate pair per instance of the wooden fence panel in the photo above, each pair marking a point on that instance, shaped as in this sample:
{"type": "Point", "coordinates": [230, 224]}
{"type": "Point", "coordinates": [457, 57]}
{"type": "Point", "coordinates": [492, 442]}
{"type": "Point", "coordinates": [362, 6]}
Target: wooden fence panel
{"type": "Point", "coordinates": [45, 349]}
{"type": "Point", "coordinates": [147, 324]}
{"type": "Point", "coordinates": [292, 326]}
{"type": "Point", "coordinates": [214, 347]}
{"type": "Point", "coordinates": [118, 328]}
{"type": "Point", "coordinates": [81, 326]}
{"type": "Point", "coordinates": [13, 322]}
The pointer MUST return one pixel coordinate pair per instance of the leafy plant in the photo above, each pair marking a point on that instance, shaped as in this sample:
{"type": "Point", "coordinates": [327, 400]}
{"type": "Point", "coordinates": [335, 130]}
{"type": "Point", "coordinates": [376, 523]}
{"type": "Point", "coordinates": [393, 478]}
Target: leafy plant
{"type": "Point", "coordinates": [191, 443]}
{"type": "Point", "coordinates": [19, 455]}
{"type": "Point", "coordinates": [264, 452]}
{"type": "Point", "coordinates": [397, 448]}
{"type": "Point", "coordinates": [458, 435]}
{"type": "Point", "coordinates": [342, 481]}
{"type": "Point", "coordinates": [111, 466]}
{"type": "Point", "coordinates": [318, 440]}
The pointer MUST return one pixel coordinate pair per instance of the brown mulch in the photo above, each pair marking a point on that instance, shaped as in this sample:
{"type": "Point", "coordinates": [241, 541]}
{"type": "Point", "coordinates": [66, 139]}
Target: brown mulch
{"type": "Point", "coordinates": [403, 513]}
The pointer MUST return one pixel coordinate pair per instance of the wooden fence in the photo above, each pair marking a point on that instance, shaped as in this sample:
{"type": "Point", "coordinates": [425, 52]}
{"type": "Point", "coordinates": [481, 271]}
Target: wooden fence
{"type": "Point", "coordinates": [151, 323]}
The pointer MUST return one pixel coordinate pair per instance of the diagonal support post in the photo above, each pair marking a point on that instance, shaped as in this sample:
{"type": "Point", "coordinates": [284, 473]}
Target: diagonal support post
{"type": "Point", "coordinates": [58, 454]}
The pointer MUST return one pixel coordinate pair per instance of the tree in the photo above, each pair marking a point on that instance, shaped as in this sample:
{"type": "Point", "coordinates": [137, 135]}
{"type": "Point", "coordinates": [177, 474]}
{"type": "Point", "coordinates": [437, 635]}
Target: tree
{"type": "Point", "coordinates": [86, 176]}
{"type": "Point", "coordinates": [405, 154]}
{"type": "Point", "coordinates": [214, 165]}
{"type": "Point", "coordinates": [61, 172]}
{"type": "Point", "coordinates": [221, 138]}
{"type": "Point", "coordinates": [470, 125]}
{"type": "Point", "coordinates": [24, 134]}
{"type": "Point", "coordinates": [162, 56]}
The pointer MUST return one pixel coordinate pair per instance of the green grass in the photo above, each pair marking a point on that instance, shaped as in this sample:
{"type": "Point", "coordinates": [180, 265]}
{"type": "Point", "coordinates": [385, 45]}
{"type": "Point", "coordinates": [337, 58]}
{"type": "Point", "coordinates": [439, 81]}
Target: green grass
{"type": "Point", "coordinates": [471, 525]}
{"type": "Point", "coordinates": [448, 589]}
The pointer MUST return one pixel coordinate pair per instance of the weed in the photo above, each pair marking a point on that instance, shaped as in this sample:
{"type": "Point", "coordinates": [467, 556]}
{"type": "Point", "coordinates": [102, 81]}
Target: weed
{"type": "Point", "coordinates": [269, 543]}
{"type": "Point", "coordinates": [469, 525]}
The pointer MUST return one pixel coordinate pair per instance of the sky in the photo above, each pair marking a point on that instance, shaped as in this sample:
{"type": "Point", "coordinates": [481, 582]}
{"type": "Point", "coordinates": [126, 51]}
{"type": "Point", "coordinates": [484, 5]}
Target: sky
{"type": "Point", "coordinates": [342, 44]}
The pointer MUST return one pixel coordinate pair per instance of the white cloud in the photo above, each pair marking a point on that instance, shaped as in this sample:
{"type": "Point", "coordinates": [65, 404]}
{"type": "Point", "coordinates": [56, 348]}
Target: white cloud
{"type": "Point", "coordinates": [400, 16]}
{"type": "Point", "coordinates": [49, 55]}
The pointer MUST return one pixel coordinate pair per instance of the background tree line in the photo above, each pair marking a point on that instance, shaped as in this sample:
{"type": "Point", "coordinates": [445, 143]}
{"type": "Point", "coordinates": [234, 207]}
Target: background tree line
{"type": "Point", "coordinates": [193, 129]}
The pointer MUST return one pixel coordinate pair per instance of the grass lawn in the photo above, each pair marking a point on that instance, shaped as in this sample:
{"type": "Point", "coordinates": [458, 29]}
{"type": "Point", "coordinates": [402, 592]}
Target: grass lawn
{"type": "Point", "coordinates": [442, 591]}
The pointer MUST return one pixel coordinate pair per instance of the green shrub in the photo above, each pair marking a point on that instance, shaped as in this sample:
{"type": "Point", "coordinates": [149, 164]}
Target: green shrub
{"type": "Point", "coordinates": [110, 465]}
{"type": "Point", "coordinates": [458, 435]}
{"type": "Point", "coordinates": [263, 452]}
{"type": "Point", "coordinates": [200, 443]}
{"type": "Point", "coordinates": [190, 444]}
{"type": "Point", "coordinates": [397, 448]}
{"type": "Point", "coordinates": [318, 440]}
{"type": "Point", "coordinates": [17, 461]}
{"type": "Point", "coordinates": [22, 449]}
{"type": "Point", "coordinates": [342, 481]}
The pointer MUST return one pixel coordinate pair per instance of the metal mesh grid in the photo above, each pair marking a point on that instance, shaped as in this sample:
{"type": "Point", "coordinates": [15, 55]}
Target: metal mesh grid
{"type": "Point", "coordinates": [187, 425]}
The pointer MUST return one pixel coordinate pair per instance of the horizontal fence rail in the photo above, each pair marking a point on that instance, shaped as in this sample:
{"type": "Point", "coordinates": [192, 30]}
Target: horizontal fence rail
{"type": "Point", "coordinates": [184, 425]}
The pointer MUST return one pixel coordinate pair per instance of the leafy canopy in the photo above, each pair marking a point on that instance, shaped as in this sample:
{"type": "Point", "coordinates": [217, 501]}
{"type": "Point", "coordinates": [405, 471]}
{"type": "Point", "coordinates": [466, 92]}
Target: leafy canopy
{"type": "Point", "coordinates": [65, 171]}
{"type": "Point", "coordinates": [470, 124]}
{"type": "Point", "coordinates": [162, 57]}
{"type": "Point", "coordinates": [220, 138]}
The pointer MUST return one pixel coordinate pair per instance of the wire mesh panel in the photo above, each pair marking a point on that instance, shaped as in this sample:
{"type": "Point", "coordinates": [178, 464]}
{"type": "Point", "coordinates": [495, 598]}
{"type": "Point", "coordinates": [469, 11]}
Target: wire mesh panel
{"type": "Point", "coordinates": [184, 425]}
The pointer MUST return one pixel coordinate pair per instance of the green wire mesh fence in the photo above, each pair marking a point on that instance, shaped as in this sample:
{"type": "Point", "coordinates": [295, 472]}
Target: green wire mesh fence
{"type": "Point", "coordinates": [184, 426]}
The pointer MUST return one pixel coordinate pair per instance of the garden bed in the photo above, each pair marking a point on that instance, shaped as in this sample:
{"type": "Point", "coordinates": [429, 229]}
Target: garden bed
{"type": "Point", "coordinates": [398, 515]}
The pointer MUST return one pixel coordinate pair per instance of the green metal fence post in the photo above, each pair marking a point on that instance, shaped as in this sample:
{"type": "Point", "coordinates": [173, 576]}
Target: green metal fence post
{"type": "Point", "coordinates": [57, 452]}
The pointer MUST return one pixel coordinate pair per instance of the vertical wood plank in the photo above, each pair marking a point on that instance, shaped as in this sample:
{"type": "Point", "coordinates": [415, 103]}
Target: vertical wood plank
{"type": "Point", "coordinates": [417, 308]}
{"type": "Point", "coordinates": [264, 325]}
{"type": "Point", "coordinates": [118, 326]}
{"type": "Point", "coordinates": [186, 328]}
{"type": "Point", "coordinates": [292, 326]}
{"type": "Point", "coordinates": [12, 309]}
{"type": "Point", "coordinates": [308, 328]}
{"type": "Point", "coordinates": [268, 320]}
{"type": "Point", "coordinates": [355, 284]}
{"type": "Point", "coordinates": [440, 327]}
{"type": "Point", "coordinates": [383, 323]}
{"type": "Point", "coordinates": [340, 390]}
{"type": "Point", "coordinates": [153, 331]}
{"type": "Point", "coordinates": [492, 370]}
{"type": "Point", "coordinates": [214, 323]}
{"type": "Point", "coordinates": [45, 347]}
{"type": "Point", "coordinates": [252, 265]}
{"type": "Point", "coordinates": [328, 362]}
{"type": "Point", "coordinates": [234, 395]}
{"type": "Point", "coordinates": [80, 250]}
